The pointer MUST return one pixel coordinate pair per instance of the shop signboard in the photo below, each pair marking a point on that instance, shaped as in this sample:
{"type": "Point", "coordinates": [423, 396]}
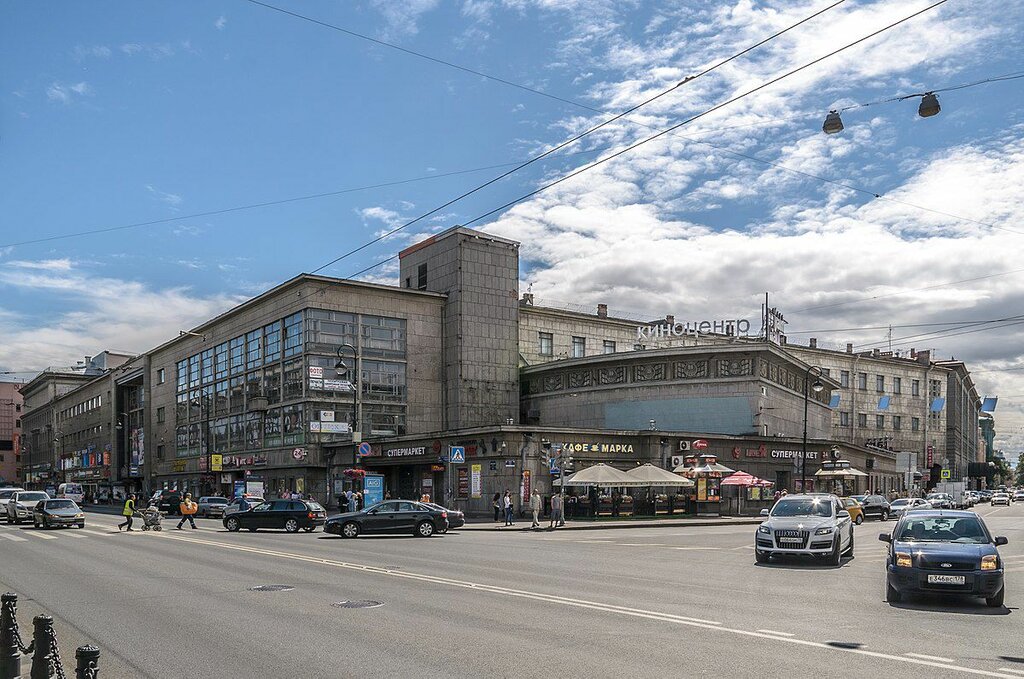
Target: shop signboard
{"type": "Point", "coordinates": [327, 416]}
{"type": "Point", "coordinates": [239, 488]}
{"type": "Point", "coordinates": [931, 455]}
{"type": "Point", "coordinates": [373, 489]}
{"type": "Point", "coordinates": [405, 452]}
{"type": "Point", "coordinates": [492, 465]}
{"type": "Point", "coordinates": [510, 464]}
{"type": "Point", "coordinates": [216, 462]}
{"type": "Point", "coordinates": [330, 427]}
{"type": "Point", "coordinates": [254, 488]}
{"type": "Point", "coordinates": [316, 371]}
{"type": "Point", "coordinates": [524, 487]}
{"type": "Point", "coordinates": [475, 481]}
{"type": "Point", "coordinates": [337, 385]}
{"type": "Point", "coordinates": [702, 490]}
{"type": "Point", "coordinates": [316, 384]}
{"type": "Point", "coordinates": [463, 485]}
{"type": "Point", "coordinates": [700, 444]}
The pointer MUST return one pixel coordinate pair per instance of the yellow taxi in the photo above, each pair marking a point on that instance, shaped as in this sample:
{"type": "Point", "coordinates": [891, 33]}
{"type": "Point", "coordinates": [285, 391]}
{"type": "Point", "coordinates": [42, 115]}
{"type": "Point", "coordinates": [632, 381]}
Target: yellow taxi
{"type": "Point", "coordinates": [855, 510]}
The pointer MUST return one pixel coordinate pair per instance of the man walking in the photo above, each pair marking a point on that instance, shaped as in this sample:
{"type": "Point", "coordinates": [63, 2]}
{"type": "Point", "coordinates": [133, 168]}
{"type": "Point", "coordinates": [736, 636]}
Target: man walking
{"type": "Point", "coordinates": [128, 512]}
{"type": "Point", "coordinates": [188, 509]}
{"type": "Point", "coordinates": [536, 505]}
{"type": "Point", "coordinates": [556, 511]}
{"type": "Point", "coordinates": [506, 503]}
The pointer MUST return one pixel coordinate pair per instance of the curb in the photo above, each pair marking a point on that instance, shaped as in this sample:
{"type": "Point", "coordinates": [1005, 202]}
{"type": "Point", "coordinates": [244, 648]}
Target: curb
{"type": "Point", "coordinates": [610, 526]}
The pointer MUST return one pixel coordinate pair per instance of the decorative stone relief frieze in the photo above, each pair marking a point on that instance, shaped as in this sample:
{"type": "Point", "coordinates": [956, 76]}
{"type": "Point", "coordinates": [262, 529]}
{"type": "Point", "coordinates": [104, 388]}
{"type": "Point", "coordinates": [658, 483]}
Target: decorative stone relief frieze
{"type": "Point", "coordinates": [685, 370]}
{"type": "Point", "coordinates": [554, 382]}
{"type": "Point", "coordinates": [581, 378]}
{"type": "Point", "coordinates": [649, 372]}
{"type": "Point", "coordinates": [737, 367]}
{"type": "Point", "coordinates": [616, 375]}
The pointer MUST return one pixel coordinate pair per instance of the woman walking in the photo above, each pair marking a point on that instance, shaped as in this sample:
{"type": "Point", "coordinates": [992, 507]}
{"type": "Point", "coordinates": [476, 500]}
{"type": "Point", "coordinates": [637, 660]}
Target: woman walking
{"type": "Point", "coordinates": [509, 509]}
{"type": "Point", "coordinates": [128, 512]}
{"type": "Point", "coordinates": [496, 503]}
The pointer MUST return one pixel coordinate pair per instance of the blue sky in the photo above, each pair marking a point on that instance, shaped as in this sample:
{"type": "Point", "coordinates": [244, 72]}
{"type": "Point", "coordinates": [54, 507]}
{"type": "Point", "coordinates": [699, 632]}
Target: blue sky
{"type": "Point", "coordinates": [118, 112]}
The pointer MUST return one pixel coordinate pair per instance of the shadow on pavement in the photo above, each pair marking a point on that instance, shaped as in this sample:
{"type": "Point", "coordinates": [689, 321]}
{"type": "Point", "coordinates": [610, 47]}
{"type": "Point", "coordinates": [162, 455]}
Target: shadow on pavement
{"type": "Point", "coordinates": [383, 536]}
{"type": "Point", "coordinates": [961, 605]}
{"type": "Point", "coordinates": [798, 563]}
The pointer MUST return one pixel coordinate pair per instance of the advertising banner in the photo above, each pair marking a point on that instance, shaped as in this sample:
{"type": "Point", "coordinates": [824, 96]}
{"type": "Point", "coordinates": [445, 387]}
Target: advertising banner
{"type": "Point", "coordinates": [476, 481]}
{"type": "Point", "coordinates": [373, 489]}
{"type": "Point", "coordinates": [524, 487]}
{"type": "Point", "coordinates": [216, 463]}
{"type": "Point", "coordinates": [463, 487]}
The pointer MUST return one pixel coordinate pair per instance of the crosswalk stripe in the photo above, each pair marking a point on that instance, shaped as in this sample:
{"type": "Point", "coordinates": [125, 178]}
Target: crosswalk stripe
{"type": "Point", "coordinates": [41, 536]}
{"type": "Point", "coordinates": [15, 538]}
{"type": "Point", "coordinates": [73, 533]}
{"type": "Point", "coordinates": [93, 532]}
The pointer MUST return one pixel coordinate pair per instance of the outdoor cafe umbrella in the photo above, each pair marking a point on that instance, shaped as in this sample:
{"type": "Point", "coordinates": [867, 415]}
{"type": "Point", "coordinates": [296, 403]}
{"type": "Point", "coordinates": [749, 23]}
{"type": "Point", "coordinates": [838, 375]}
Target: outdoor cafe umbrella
{"type": "Point", "coordinates": [745, 479]}
{"type": "Point", "coordinates": [602, 475]}
{"type": "Point", "coordinates": [704, 469]}
{"type": "Point", "coordinates": [656, 476]}
{"type": "Point", "coordinates": [843, 473]}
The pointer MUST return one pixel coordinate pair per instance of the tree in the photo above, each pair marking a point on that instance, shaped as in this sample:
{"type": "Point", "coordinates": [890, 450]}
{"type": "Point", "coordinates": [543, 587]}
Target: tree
{"type": "Point", "coordinates": [1020, 470]}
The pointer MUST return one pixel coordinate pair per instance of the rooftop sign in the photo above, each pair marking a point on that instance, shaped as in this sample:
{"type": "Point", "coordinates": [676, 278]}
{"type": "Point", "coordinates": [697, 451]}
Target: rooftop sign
{"type": "Point", "coordinates": [735, 327]}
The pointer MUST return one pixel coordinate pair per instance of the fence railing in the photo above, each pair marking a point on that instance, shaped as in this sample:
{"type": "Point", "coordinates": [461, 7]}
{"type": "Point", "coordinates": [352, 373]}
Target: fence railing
{"type": "Point", "coordinates": [45, 652]}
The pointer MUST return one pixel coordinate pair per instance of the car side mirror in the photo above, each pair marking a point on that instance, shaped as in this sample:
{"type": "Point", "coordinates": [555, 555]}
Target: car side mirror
{"type": "Point", "coordinates": [1001, 541]}
{"type": "Point", "coordinates": [764, 512]}
{"type": "Point", "coordinates": [885, 537]}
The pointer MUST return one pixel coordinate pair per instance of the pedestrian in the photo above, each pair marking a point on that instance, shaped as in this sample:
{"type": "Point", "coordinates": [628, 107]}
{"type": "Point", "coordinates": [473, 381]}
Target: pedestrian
{"type": "Point", "coordinates": [496, 503]}
{"type": "Point", "coordinates": [556, 511]}
{"type": "Point", "coordinates": [509, 507]}
{"type": "Point", "coordinates": [570, 506]}
{"type": "Point", "coordinates": [536, 504]}
{"type": "Point", "coordinates": [188, 509]}
{"type": "Point", "coordinates": [128, 512]}
{"type": "Point", "coordinates": [358, 497]}
{"type": "Point", "coordinates": [343, 503]}
{"type": "Point", "coordinates": [387, 494]}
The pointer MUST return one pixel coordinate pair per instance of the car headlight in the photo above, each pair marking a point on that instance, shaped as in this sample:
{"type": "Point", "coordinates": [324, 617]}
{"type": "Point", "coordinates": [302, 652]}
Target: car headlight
{"type": "Point", "coordinates": [764, 529]}
{"type": "Point", "coordinates": [989, 562]}
{"type": "Point", "coordinates": [903, 559]}
{"type": "Point", "coordinates": [79, 516]}
{"type": "Point", "coordinates": [823, 531]}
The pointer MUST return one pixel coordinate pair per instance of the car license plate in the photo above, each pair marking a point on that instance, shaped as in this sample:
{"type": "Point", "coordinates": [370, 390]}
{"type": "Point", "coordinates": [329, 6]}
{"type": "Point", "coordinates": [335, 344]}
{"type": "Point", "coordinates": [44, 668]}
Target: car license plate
{"type": "Point", "coordinates": [946, 579]}
{"type": "Point", "coordinates": [790, 540]}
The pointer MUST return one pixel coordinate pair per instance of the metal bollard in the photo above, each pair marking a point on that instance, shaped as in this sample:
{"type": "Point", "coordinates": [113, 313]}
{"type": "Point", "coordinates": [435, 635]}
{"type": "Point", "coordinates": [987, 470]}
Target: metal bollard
{"type": "Point", "coordinates": [43, 658]}
{"type": "Point", "coordinates": [86, 660]}
{"type": "Point", "coordinates": [10, 654]}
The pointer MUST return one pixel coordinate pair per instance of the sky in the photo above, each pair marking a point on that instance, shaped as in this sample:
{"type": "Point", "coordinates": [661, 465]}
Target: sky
{"type": "Point", "coordinates": [186, 114]}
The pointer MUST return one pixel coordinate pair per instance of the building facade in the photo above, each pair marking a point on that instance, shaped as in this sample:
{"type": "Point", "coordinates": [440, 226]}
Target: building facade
{"type": "Point", "coordinates": [10, 432]}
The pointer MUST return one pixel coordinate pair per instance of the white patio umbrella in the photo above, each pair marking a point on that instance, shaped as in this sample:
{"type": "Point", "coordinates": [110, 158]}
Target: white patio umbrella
{"type": "Point", "coordinates": [656, 476]}
{"type": "Point", "coordinates": [602, 475]}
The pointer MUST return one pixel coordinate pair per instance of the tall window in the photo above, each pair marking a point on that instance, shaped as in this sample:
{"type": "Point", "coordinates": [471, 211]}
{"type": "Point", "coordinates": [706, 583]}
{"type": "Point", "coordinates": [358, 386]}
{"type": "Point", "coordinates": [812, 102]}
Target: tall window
{"type": "Point", "coordinates": [862, 419]}
{"type": "Point", "coordinates": [844, 379]}
{"type": "Point", "coordinates": [237, 350]}
{"type": "Point", "coordinates": [844, 419]}
{"type": "Point", "coordinates": [547, 344]}
{"type": "Point", "coordinates": [220, 360]}
{"type": "Point", "coordinates": [897, 385]}
{"type": "Point", "coordinates": [272, 341]}
{"type": "Point", "coordinates": [579, 347]}
{"type": "Point", "coordinates": [293, 335]}
{"type": "Point", "coordinates": [421, 276]}
{"type": "Point", "coordinates": [915, 424]}
{"type": "Point", "coordinates": [862, 381]}
{"type": "Point", "coordinates": [879, 421]}
{"type": "Point", "coordinates": [160, 378]}
{"type": "Point", "coordinates": [879, 383]}
{"type": "Point", "coordinates": [609, 347]}
{"type": "Point", "coordinates": [253, 355]}
{"type": "Point", "coordinates": [915, 387]}
{"type": "Point", "coordinates": [897, 422]}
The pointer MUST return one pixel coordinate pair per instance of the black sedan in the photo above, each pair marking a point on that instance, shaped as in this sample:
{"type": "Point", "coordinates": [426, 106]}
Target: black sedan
{"type": "Point", "coordinates": [393, 516]}
{"type": "Point", "coordinates": [290, 515]}
{"type": "Point", "coordinates": [456, 517]}
{"type": "Point", "coordinates": [874, 506]}
{"type": "Point", "coordinates": [53, 513]}
{"type": "Point", "coordinates": [945, 552]}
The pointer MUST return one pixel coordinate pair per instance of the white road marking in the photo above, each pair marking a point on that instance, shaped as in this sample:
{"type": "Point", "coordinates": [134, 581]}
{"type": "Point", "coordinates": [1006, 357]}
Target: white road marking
{"type": "Point", "coordinates": [1015, 569]}
{"type": "Point", "coordinates": [94, 532]}
{"type": "Point", "coordinates": [642, 544]}
{"type": "Point", "coordinates": [1010, 669]}
{"type": "Point", "coordinates": [929, 657]}
{"type": "Point", "coordinates": [15, 538]}
{"type": "Point", "coordinates": [700, 549]}
{"type": "Point", "coordinates": [776, 632]}
{"type": "Point", "coordinates": [590, 605]}
{"type": "Point", "coordinates": [41, 536]}
{"type": "Point", "coordinates": [73, 533]}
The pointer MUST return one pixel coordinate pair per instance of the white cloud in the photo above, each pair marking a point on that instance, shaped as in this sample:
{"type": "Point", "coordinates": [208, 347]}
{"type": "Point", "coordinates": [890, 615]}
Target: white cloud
{"type": "Point", "coordinates": [95, 51]}
{"type": "Point", "coordinates": [64, 93]}
{"type": "Point", "coordinates": [221, 22]}
{"type": "Point", "coordinates": [401, 18]}
{"type": "Point", "coordinates": [172, 199]}
{"type": "Point", "coordinates": [63, 264]}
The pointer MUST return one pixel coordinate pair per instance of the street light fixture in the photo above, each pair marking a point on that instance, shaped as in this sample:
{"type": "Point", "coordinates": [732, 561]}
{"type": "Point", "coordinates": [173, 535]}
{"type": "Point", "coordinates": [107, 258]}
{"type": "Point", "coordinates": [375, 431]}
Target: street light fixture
{"type": "Point", "coordinates": [833, 123]}
{"type": "Point", "coordinates": [816, 387]}
{"type": "Point", "coordinates": [929, 105]}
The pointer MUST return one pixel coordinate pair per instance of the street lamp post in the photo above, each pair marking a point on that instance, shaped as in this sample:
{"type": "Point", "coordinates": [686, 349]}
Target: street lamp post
{"type": "Point", "coordinates": [816, 387]}
{"type": "Point", "coordinates": [341, 366]}
{"type": "Point", "coordinates": [58, 437]}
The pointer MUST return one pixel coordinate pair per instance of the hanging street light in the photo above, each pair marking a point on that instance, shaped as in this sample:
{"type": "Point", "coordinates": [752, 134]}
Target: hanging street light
{"type": "Point", "coordinates": [833, 123]}
{"type": "Point", "coordinates": [929, 105]}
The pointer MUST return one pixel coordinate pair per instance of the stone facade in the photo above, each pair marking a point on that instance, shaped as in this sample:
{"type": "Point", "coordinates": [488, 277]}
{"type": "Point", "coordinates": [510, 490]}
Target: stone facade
{"type": "Point", "coordinates": [10, 432]}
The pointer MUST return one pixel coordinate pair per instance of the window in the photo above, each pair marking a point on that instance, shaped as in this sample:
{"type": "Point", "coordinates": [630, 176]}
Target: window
{"type": "Point", "coordinates": [382, 337]}
{"type": "Point", "coordinates": [382, 381]}
{"type": "Point", "coordinates": [609, 347]}
{"type": "Point", "coordinates": [253, 431]}
{"type": "Point", "coordinates": [879, 383]}
{"type": "Point", "coordinates": [182, 367]}
{"type": "Point", "coordinates": [897, 385]}
{"type": "Point", "coordinates": [293, 335]}
{"type": "Point", "coordinates": [272, 428]}
{"type": "Point", "coordinates": [579, 347]}
{"type": "Point", "coordinates": [181, 441]}
{"type": "Point", "coordinates": [915, 424]}
{"type": "Point", "coordinates": [844, 379]}
{"type": "Point", "coordinates": [220, 398]}
{"type": "Point", "coordinates": [181, 408]}
{"type": "Point", "coordinates": [935, 387]}
{"type": "Point", "coordinates": [193, 371]}
{"type": "Point", "coordinates": [206, 361]}
{"type": "Point", "coordinates": [421, 276]}
{"type": "Point", "coordinates": [253, 385]}
{"type": "Point", "coordinates": [253, 355]}
{"type": "Point", "coordinates": [915, 387]}
{"type": "Point", "coordinates": [879, 421]}
{"type": "Point", "coordinates": [159, 452]}
{"type": "Point", "coordinates": [844, 419]}
{"type": "Point", "coordinates": [220, 434]}
{"type": "Point", "coordinates": [237, 394]}
{"type": "Point", "coordinates": [862, 419]}
{"type": "Point", "coordinates": [547, 343]}
{"type": "Point", "coordinates": [862, 381]}
{"type": "Point", "coordinates": [293, 380]}
{"type": "Point", "coordinates": [236, 348]}
{"type": "Point", "coordinates": [160, 378]}
{"type": "Point", "coordinates": [325, 330]}
{"type": "Point", "coordinates": [897, 422]}
{"type": "Point", "coordinates": [236, 433]}
{"type": "Point", "coordinates": [220, 361]}
{"type": "Point", "coordinates": [272, 383]}
{"type": "Point", "coordinates": [194, 406]}
{"type": "Point", "coordinates": [827, 372]}
{"type": "Point", "coordinates": [160, 415]}
{"type": "Point", "coordinates": [292, 424]}
{"type": "Point", "coordinates": [272, 342]}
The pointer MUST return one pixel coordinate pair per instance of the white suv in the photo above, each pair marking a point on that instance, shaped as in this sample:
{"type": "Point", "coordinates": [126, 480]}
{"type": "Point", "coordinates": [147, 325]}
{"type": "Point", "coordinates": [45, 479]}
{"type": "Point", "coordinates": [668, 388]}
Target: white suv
{"type": "Point", "coordinates": [814, 524]}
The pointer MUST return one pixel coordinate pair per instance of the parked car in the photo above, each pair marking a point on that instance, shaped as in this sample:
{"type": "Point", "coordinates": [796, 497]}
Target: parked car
{"type": "Point", "coordinates": [241, 504]}
{"type": "Point", "coordinates": [1018, 495]}
{"type": "Point", "coordinates": [57, 512]}
{"type": "Point", "coordinates": [5, 495]}
{"type": "Point", "coordinates": [166, 501]}
{"type": "Point", "coordinates": [290, 515]}
{"type": "Point", "coordinates": [456, 517]}
{"type": "Point", "coordinates": [905, 504]}
{"type": "Point", "coordinates": [875, 506]}
{"type": "Point", "coordinates": [949, 552]}
{"type": "Point", "coordinates": [211, 506]}
{"type": "Point", "coordinates": [854, 509]}
{"type": "Point", "coordinates": [393, 516]}
{"type": "Point", "coordinates": [20, 504]}
{"type": "Point", "coordinates": [940, 500]}
{"type": "Point", "coordinates": [986, 495]}
{"type": "Point", "coordinates": [1000, 499]}
{"type": "Point", "coordinates": [816, 524]}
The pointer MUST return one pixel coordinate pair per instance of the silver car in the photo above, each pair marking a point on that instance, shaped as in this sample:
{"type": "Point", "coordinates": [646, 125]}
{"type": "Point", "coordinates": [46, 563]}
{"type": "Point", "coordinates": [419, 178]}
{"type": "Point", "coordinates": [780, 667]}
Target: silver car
{"type": "Point", "coordinates": [21, 504]}
{"type": "Point", "coordinates": [814, 524]}
{"type": "Point", "coordinates": [211, 506]}
{"type": "Point", "coordinates": [906, 504]}
{"type": "Point", "coordinates": [241, 504]}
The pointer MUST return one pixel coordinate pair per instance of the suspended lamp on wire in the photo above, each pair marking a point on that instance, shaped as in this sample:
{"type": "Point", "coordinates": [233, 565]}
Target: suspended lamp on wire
{"type": "Point", "coordinates": [929, 105]}
{"type": "Point", "coordinates": [833, 123]}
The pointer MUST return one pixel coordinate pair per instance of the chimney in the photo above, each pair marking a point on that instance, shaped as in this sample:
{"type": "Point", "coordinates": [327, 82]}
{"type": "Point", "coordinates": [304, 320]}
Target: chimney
{"type": "Point", "coordinates": [528, 298]}
{"type": "Point", "coordinates": [849, 347]}
{"type": "Point", "coordinates": [671, 320]}
{"type": "Point", "coordinates": [924, 357]}
{"type": "Point", "coordinates": [814, 343]}
{"type": "Point", "coordinates": [876, 351]}
{"type": "Point", "coordinates": [913, 354]}
{"type": "Point", "coordinates": [602, 311]}
{"type": "Point", "coordinates": [88, 360]}
{"type": "Point", "coordinates": [783, 340]}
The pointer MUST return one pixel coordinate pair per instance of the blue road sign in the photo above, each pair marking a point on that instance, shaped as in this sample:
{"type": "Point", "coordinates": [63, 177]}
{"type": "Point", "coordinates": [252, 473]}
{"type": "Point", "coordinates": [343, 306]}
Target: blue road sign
{"type": "Point", "coordinates": [457, 454]}
{"type": "Point", "coordinates": [364, 448]}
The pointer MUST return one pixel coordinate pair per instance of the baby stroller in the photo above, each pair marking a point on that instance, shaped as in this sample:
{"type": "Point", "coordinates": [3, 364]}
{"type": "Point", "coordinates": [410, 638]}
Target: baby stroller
{"type": "Point", "coordinates": [151, 518]}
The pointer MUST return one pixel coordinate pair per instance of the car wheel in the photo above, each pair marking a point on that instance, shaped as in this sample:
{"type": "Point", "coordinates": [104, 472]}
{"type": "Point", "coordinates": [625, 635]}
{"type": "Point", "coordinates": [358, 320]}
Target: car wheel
{"type": "Point", "coordinates": [892, 595]}
{"type": "Point", "coordinates": [291, 526]}
{"type": "Point", "coordinates": [859, 520]}
{"type": "Point", "coordinates": [82, 525]}
{"type": "Point", "coordinates": [997, 600]}
{"type": "Point", "coordinates": [762, 557]}
{"type": "Point", "coordinates": [232, 525]}
{"type": "Point", "coordinates": [35, 523]}
{"type": "Point", "coordinates": [425, 529]}
{"type": "Point", "coordinates": [836, 557]}
{"type": "Point", "coordinates": [350, 530]}
{"type": "Point", "coordinates": [309, 529]}
{"type": "Point", "coordinates": [849, 550]}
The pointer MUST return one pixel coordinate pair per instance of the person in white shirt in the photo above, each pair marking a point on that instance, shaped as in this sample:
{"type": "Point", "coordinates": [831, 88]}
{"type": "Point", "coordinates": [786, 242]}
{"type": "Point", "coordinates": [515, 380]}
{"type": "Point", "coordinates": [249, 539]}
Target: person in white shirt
{"type": "Point", "coordinates": [536, 505]}
{"type": "Point", "coordinates": [507, 504]}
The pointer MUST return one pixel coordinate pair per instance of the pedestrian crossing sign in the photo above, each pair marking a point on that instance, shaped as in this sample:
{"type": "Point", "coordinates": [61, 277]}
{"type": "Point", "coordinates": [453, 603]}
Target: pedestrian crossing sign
{"type": "Point", "coordinates": [457, 455]}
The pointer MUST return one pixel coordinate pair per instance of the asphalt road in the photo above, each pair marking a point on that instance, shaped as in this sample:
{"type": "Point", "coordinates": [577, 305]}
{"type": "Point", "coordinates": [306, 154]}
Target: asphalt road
{"type": "Point", "coordinates": [621, 602]}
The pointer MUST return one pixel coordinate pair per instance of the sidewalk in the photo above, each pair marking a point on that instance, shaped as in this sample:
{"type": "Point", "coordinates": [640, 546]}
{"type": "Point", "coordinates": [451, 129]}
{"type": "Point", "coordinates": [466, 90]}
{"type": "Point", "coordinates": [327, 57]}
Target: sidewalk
{"type": "Point", "coordinates": [602, 524]}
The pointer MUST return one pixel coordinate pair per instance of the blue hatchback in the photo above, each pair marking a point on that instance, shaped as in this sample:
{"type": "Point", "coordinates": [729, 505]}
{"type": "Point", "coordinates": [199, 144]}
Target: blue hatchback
{"type": "Point", "coordinates": [943, 552]}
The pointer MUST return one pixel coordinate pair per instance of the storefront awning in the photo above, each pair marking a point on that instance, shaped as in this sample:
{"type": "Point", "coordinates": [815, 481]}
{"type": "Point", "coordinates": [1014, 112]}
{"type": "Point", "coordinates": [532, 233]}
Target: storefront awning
{"type": "Point", "coordinates": [847, 473]}
{"type": "Point", "coordinates": [656, 476]}
{"type": "Point", "coordinates": [745, 479]}
{"type": "Point", "coordinates": [602, 476]}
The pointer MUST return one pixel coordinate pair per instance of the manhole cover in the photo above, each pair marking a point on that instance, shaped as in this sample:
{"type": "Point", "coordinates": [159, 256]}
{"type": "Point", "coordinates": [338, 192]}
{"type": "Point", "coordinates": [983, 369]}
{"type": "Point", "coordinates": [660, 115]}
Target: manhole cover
{"type": "Point", "coordinates": [271, 588]}
{"type": "Point", "coordinates": [358, 604]}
